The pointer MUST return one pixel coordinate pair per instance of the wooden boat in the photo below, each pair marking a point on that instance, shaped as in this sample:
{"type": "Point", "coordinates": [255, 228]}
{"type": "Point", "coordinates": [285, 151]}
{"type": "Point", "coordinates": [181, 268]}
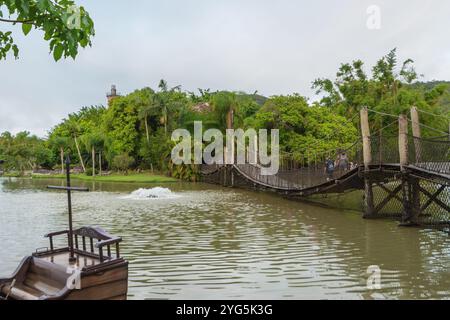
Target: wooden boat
{"type": "Point", "coordinates": [82, 270]}
{"type": "Point", "coordinates": [51, 275]}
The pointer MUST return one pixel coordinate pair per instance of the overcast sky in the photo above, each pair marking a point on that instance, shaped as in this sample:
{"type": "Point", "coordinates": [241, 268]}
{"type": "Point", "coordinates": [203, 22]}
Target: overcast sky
{"type": "Point", "coordinates": [275, 47]}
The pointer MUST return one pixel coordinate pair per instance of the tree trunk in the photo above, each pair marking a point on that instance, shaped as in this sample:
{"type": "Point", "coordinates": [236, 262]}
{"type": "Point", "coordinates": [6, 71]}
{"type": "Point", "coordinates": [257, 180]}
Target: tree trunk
{"type": "Point", "coordinates": [61, 151]}
{"type": "Point", "coordinates": [165, 120]}
{"type": "Point", "coordinates": [146, 130]}
{"type": "Point", "coordinates": [100, 162]}
{"type": "Point", "coordinates": [79, 153]}
{"type": "Point", "coordinates": [230, 120]}
{"type": "Point", "coordinates": [93, 161]}
{"type": "Point", "coordinates": [148, 135]}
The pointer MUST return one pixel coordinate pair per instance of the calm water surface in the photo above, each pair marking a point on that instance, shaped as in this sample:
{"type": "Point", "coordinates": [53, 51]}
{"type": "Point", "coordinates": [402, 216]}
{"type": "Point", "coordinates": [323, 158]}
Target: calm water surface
{"type": "Point", "coordinates": [207, 242]}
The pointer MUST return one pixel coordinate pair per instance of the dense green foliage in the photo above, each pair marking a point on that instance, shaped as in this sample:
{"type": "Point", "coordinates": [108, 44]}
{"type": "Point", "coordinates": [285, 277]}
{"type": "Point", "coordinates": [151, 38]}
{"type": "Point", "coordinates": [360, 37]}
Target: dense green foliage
{"type": "Point", "coordinates": [389, 89]}
{"type": "Point", "coordinates": [134, 131]}
{"type": "Point", "coordinates": [64, 25]}
{"type": "Point", "coordinates": [304, 129]}
{"type": "Point", "coordinates": [24, 152]}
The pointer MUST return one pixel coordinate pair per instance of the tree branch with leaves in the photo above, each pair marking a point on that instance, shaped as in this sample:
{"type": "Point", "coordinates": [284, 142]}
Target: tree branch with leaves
{"type": "Point", "coordinates": [66, 26]}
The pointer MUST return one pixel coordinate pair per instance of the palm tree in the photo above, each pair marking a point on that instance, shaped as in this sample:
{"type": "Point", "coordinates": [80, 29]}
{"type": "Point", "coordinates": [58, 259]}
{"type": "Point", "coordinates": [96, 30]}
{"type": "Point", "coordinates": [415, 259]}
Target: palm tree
{"type": "Point", "coordinates": [162, 103]}
{"type": "Point", "coordinates": [225, 105]}
{"type": "Point", "coordinates": [75, 131]}
{"type": "Point", "coordinates": [93, 141]}
{"type": "Point", "coordinates": [61, 143]}
{"type": "Point", "coordinates": [145, 111]}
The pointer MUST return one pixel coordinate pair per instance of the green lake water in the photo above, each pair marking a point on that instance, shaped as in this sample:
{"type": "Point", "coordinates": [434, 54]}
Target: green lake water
{"type": "Point", "coordinates": [198, 241]}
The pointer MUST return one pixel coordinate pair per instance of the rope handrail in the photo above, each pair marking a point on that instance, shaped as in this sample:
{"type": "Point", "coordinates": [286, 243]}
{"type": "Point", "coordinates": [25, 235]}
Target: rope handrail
{"type": "Point", "coordinates": [429, 139]}
{"type": "Point", "coordinates": [390, 124]}
{"type": "Point", "coordinates": [433, 114]}
{"type": "Point", "coordinates": [424, 125]}
{"type": "Point", "coordinates": [429, 127]}
{"type": "Point", "coordinates": [383, 113]}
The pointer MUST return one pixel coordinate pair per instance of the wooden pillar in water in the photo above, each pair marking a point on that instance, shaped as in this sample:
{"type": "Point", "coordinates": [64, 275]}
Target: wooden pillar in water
{"type": "Point", "coordinates": [255, 150]}
{"type": "Point", "coordinates": [403, 140]}
{"type": "Point", "coordinates": [407, 214]}
{"type": "Point", "coordinates": [231, 176]}
{"type": "Point", "coordinates": [367, 157]}
{"type": "Point", "coordinates": [414, 182]}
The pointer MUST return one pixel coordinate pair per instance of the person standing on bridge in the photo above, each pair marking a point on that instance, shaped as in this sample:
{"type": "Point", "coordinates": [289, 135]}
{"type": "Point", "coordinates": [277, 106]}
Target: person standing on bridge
{"type": "Point", "coordinates": [342, 161]}
{"type": "Point", "coordinates": [329, 169]}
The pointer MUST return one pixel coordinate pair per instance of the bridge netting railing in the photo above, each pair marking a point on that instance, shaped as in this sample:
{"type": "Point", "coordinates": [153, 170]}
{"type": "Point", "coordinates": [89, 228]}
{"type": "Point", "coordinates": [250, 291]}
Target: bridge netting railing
{"type": "Point", "coordinates": [384, 149]}
{"type": "Point", "coordinates": [432, 154]}
{"type": "Point", "coordinates": [298, 171]}
{"type": "Point", "coordinates": [302, 171]}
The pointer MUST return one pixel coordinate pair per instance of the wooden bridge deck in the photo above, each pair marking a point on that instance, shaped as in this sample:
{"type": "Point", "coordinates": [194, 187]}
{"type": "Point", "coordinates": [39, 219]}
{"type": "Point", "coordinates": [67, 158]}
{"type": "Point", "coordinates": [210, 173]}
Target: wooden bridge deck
{"type": "Point", "coordinates": [351, 179]}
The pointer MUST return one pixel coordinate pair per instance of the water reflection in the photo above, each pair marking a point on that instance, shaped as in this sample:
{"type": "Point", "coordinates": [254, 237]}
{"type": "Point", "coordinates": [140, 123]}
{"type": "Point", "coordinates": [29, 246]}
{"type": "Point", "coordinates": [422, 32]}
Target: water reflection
{"type": "Point", "coordinates": [226, 243]}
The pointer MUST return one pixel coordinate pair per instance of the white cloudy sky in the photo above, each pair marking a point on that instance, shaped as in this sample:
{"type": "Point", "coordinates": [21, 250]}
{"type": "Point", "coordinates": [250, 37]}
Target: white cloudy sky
{"type": "Point", "coordinates": [275, 47]}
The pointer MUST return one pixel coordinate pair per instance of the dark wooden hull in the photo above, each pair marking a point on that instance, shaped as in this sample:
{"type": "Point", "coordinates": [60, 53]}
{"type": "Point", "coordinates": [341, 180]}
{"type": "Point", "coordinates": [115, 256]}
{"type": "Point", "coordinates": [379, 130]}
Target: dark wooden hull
{"type": "Point", "coordinates": [110, 284]}
{"type": "Point", "coordinates": [42, 279]}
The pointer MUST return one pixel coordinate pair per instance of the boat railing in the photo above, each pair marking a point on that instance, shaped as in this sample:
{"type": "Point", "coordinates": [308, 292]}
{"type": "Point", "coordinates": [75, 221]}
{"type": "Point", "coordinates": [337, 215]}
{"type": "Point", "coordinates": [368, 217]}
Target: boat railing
{"type": "Point", "coordinates": [89, 236]}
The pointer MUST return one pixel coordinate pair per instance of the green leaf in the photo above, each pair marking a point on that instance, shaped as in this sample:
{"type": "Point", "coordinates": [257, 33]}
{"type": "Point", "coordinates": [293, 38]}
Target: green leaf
{"type": "Point", "coordinates": [16, 51]}
{"type": "Point", "coordinates": [26, 28]}
{"type": "Point", "coordinates": [58, 51]}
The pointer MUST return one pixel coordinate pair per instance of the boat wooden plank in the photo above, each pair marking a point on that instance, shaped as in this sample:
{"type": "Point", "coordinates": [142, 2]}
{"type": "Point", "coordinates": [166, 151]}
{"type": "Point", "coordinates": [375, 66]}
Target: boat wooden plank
{"type": "Point", "coordinates": [19, 293]}
{"type": "Point", "coordinates": [48, 270]}
{"type": "Point", "coordinates": [121, 297]}
{"type": "Point", "coordinates": [113, 275]}
{"type": "Point", "coordinates": [47, 285]}
{"type": "Point", "coordinates": [100, 292]}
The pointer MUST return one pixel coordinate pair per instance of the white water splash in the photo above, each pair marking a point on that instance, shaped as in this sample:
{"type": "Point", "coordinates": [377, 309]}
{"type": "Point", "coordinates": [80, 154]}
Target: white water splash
{"type": "Point", "coordinates": [153, 193]}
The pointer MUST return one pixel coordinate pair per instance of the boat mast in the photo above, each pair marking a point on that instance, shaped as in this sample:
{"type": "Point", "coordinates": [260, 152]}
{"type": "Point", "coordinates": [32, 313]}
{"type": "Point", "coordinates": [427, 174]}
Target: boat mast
{"type": "Point", "coordinates": [69, 203]}
{"type": "Point", "coordinates": [69, 188]}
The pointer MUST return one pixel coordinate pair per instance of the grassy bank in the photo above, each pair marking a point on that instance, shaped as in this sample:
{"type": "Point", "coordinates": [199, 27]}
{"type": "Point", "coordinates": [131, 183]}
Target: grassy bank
{"type": "Point", "coordinates": [135, 177]}
{"type": "Point", "coordinates": [11, 174]}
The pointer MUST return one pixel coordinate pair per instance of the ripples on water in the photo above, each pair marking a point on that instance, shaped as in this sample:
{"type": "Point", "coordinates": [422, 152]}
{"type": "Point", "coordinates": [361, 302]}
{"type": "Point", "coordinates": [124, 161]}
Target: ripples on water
{"type": "Point", "coordinates": [205, 242]}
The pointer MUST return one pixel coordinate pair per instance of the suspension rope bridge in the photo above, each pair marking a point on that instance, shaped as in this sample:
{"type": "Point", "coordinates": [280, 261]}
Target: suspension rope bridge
{"type": "Point", "coordinates": [403, 175]}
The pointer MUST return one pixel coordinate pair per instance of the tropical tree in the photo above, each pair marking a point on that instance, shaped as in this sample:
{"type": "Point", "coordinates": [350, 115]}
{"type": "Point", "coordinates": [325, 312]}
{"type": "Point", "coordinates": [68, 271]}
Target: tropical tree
{"type": "Point", "coordinates": [94, 141]}
{"type": "Point", "coordinates": [23, 152]}
{"type": "Point", "coordinates": [225, 105]}
{"type": "Point", "coordinates": [75, 131]}
{"type": "Point", "coordinates": [60, 143]}
{"type": "Point", "coordinates": [305, 130]}
{"type": "Point", "coordinates": [388, 89]}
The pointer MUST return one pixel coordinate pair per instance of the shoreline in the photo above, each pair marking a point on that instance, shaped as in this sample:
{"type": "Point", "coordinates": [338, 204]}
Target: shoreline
{"type": "Point", "coordinates": [131, 178]}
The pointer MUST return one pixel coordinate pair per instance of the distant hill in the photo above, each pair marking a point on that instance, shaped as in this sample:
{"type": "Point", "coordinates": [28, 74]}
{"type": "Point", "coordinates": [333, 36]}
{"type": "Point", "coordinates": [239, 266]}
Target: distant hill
{"type": "Point", "coordinates": [429, 85]}
{"type": "Point", "coordinates": [259, 99]}
{"type": "Point", "coordinates": [444, 101]}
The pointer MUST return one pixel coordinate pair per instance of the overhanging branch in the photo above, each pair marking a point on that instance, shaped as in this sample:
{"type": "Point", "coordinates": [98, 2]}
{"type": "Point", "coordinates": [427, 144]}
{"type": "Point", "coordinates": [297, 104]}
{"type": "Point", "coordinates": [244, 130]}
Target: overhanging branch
{"type": "Point", "coordinates": [17, 21]}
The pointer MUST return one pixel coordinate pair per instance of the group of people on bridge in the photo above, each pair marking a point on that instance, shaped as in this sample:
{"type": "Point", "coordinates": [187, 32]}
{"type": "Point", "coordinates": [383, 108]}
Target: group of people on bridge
{"type": "Point", "coordinates": [341, 163]}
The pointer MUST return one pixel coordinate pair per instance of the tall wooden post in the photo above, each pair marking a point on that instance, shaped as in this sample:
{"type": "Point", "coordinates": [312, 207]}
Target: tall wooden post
{"type": "Point", "coordinates": [403, 153]}
{"type": "Point", "coordinates": [256, 150]}
{"type": "Point", "coordinates": [367, 158]}
{"type": "Point", "coordinates": [403, 140]}
{"type": "Point", "coordinates": [365, 131]}
{"type": "Point", "coordinates": [414, 182]}
{"type": "Point", "coordinates": [416, 133]}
